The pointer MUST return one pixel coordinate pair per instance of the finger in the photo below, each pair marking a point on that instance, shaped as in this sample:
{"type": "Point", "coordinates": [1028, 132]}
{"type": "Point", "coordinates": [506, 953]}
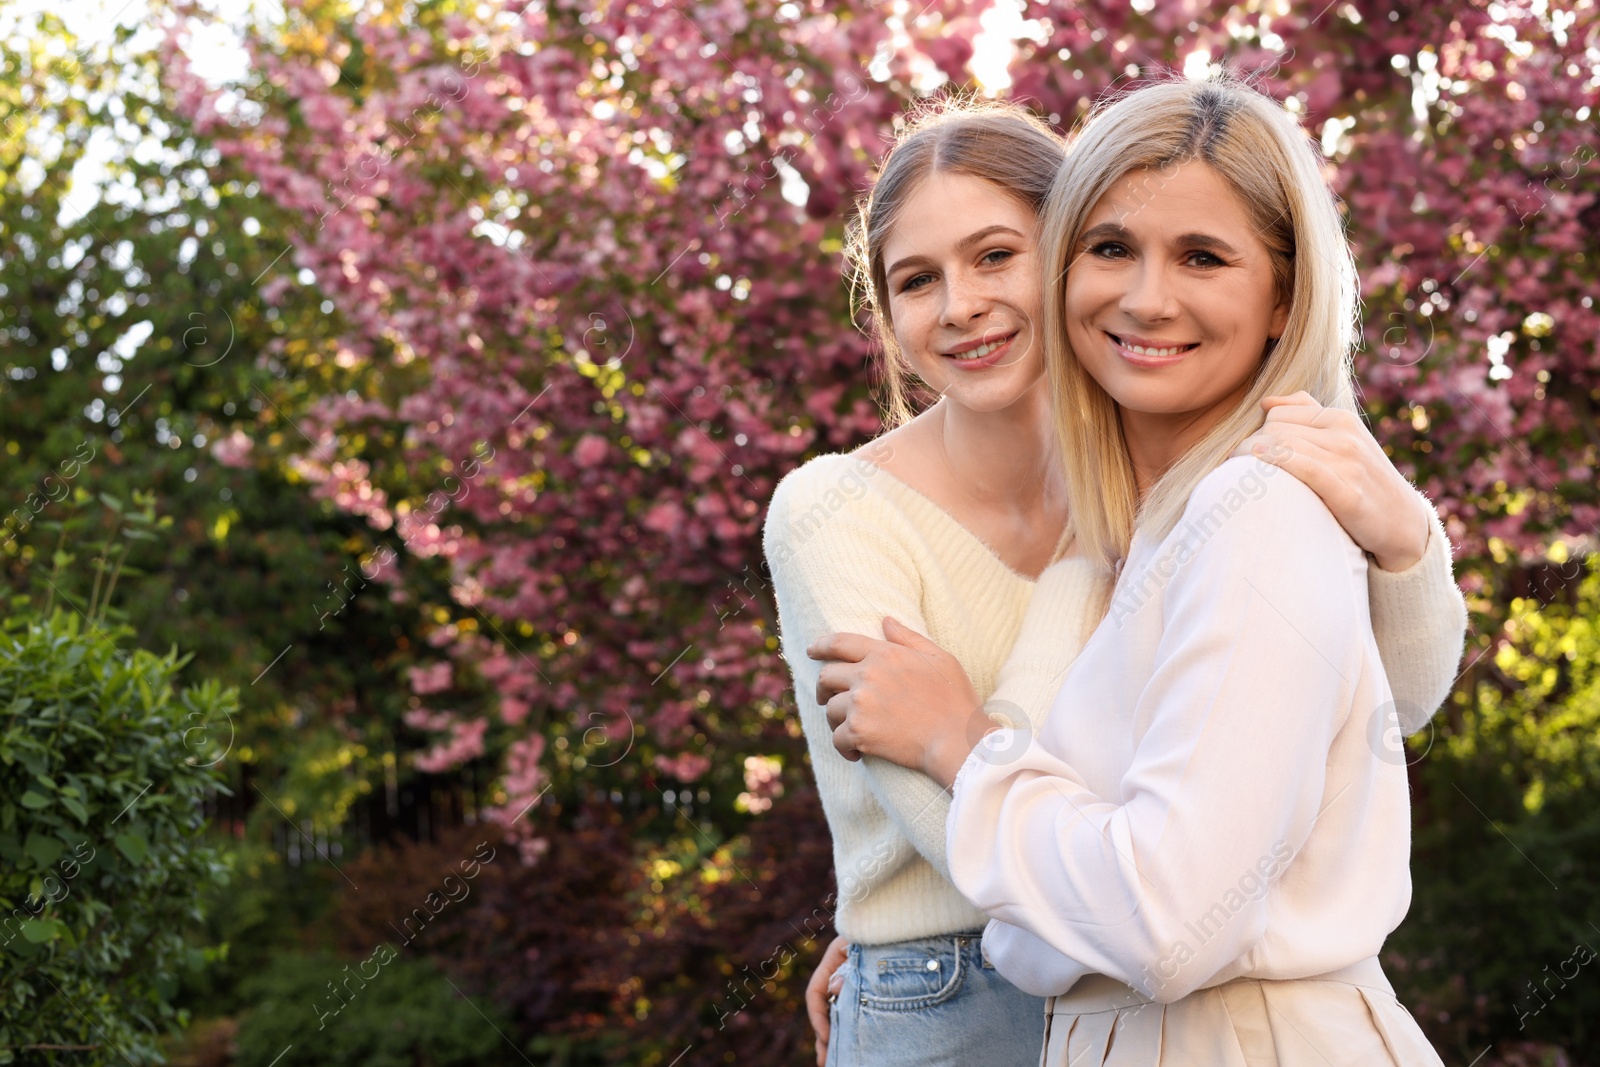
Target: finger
{"type": "Point", "coordinates": [901, 634]}
{"type": "Point", "coordinates": [1270, 445]}
{"type": "Point", "coordinates": [1345, 422]}
{"type": "Point", "coordinates": [1322, 478]}
{"type": "Point", "coordinates": [817, 1007]}
{"type": "Point", "coordinates": [837, 709]}
{"type": "Point", "coordinates": [835, 678]}
{"type": "Point", "coordinates": [847, 647]}
{"type": "Point", "coordinates": [1282, 450]}
{"type": "Point", "coordinates": [1352, 453]}
{"type": "Point", "coordinates": [1299, 398]}
{"type": "Point", "coordinates": [844, 739]}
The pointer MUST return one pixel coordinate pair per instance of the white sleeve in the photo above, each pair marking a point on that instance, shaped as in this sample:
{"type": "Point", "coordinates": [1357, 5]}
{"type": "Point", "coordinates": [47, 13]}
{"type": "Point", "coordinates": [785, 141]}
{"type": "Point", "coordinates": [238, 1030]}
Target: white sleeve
{"type": "Point", "coordinates": [1262, 634]}
{"type": "Point", "coordinates": [844, 575]}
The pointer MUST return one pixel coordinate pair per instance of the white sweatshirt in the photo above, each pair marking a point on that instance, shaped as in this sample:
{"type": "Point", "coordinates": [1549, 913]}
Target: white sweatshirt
{"type": "Point", "coordinates": [1211, 794]}
{"type": "Point", "coordinates": [848, 544]}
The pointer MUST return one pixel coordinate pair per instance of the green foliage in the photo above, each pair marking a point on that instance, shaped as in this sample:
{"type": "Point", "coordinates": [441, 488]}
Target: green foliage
{"type": "Point", "coordinates": [1506, 863]}
{"type": "Point", "coordinates": [407, 1014]}
{"type": "Point", "coordinates": [102, 857]}
{"type": "Point", "coordinates": [135, 341]}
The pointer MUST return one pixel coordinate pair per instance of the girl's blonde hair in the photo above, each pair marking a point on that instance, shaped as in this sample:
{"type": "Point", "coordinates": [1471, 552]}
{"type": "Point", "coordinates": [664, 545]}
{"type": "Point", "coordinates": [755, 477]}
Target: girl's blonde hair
{"type": "Point", "coordinates": [1259, 149]}
{"type": "Point", "coordinates": [1002, 143]}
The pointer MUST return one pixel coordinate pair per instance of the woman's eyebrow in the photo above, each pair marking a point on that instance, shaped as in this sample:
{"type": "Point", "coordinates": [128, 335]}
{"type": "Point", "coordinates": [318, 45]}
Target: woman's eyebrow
{"type": "Point", "coordinates": [961, 246]}
{"type": "Point", "coordinates": [1207, 241]}
{"type": "Point", "coordinates": [1106, 231]}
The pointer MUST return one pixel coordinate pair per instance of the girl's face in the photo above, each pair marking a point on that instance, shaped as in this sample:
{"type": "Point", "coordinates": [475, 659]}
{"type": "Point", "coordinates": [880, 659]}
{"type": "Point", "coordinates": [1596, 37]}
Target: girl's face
{"type": "Point", "coordinates": [965, 292]}
{"type": "Point", "coordinates": [1170, 298]}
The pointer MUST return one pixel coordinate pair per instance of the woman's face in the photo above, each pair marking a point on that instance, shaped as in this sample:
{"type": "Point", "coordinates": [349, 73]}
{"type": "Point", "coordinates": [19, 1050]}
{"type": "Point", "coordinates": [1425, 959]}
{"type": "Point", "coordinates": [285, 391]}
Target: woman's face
{"type": "Point", "coordinates": [1170, 298]}
{"type": "Point", "coordinates": [965, 292]}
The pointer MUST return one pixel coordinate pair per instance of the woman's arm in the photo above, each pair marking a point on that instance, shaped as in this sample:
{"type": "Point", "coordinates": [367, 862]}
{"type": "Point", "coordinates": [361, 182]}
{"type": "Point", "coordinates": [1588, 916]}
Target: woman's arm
{"type": "Point", "coordinates": [1418, 615]}
{"type": "Point", "coordinates": [1260, 647]}
{"type": "Point", "coordinates": [838, 569]}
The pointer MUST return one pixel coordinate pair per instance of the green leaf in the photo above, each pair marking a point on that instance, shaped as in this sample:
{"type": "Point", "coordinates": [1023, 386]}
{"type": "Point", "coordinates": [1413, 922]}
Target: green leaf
{"type": "Point", "coordinates": [39, 931]}
{"type": "Point", "coordinates": [30, 799]}
{"type": "Point", "coordinates": [43, 849]}
{"type": "Point", "coordinates": [111, 502]}
{"type": "Point", "coordinates": [76, 807]}
{"type": "Point", "coordinates": [133, 846]}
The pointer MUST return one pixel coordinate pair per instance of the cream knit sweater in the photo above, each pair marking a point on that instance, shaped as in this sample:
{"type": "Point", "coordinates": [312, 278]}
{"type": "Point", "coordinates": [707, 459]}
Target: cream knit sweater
{"type": "Point", "coordinates": [848, 544]}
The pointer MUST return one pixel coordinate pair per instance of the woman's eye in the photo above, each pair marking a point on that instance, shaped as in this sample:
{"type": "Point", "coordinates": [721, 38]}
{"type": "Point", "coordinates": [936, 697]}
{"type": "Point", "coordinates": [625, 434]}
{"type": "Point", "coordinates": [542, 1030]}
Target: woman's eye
{"type": "Point", "coordinates": [1109, 250]}
{"type": "Point", "coordinates": [1003, 254]}
{"type": "Point", "coordinates": [1205, 259]}
{"type": "Point", "coordinates": [916, 281]}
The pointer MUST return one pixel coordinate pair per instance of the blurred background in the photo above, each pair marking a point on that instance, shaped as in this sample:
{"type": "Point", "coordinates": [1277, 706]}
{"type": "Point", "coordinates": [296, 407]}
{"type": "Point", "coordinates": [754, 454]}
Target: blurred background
{"type": "Point", "coordinates": [390, 396]}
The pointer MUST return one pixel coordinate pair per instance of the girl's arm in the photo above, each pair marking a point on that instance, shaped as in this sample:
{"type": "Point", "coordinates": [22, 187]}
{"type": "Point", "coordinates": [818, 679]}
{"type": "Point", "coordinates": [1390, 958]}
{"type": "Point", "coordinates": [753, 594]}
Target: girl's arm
{"type": "Point", "coordinates": [839, 569]}
{"type": "Point", "coordinates": [1418, 614]}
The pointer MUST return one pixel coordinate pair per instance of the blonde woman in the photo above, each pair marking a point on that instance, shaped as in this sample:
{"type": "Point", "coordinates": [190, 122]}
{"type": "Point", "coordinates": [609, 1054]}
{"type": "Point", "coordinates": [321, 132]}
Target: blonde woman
{"type": "Point", "coordinates": [1201, 852]}
{"type": "Point", "coordinates": [946, 521]}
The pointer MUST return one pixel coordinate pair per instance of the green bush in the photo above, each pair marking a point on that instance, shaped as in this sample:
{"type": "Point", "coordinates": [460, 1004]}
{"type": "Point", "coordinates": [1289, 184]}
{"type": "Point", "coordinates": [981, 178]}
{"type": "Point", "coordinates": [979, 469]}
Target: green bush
{"type": "Point", "coordinates": [385, 1010]}
{"type": "Point", "coordinates": [1504, 930]}
{"type": "Point", "coordinates": [103, 767]}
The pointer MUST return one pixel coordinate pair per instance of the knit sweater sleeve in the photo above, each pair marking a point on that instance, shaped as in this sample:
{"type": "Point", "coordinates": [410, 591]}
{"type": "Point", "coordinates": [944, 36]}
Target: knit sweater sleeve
{"type": "Point", "coordinates": [841, 565]}
{"type": "Point", "coordinates": [1420, 622]}
{"type": "Point", "coordinates": [1058, 621]}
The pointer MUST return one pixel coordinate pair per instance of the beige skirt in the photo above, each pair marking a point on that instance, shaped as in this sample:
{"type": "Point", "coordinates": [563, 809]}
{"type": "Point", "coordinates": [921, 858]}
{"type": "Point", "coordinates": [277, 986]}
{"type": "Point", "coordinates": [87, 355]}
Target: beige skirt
{"type": "Point", "coordinates": [1348, 1016]}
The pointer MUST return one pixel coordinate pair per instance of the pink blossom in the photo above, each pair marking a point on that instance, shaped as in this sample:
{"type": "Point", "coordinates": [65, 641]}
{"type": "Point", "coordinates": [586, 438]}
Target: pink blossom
{"type": "Point", "coordinates": [431, 678]}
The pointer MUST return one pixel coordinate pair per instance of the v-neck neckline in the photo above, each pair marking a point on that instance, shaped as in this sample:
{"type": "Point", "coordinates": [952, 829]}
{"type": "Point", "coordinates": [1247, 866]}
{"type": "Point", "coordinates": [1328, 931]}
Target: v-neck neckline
{"type": "Point", "coordinates": [929, 503]}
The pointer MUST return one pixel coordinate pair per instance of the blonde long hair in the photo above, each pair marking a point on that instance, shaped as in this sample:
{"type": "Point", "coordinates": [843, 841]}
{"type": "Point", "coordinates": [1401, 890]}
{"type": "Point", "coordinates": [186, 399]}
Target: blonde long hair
{"type": "Point", "coordinates": [1259, 149]}
{"type": "Point", "coordinates": [1005, 144]}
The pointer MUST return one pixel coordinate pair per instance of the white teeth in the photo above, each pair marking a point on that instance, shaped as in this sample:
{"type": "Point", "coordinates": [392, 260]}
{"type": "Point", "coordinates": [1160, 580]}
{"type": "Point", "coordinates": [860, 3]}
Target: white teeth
{"type": "Point", "coordinates": [1158, 353]}
{"type": "Point", "coordinates": [980, 351]}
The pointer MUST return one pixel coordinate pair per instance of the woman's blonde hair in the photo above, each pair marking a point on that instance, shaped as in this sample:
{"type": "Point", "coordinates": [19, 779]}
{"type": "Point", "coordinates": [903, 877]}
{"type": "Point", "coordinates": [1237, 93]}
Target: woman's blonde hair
{"type": "Point", "coordinates": [1259, 149]}
{"type": "Point", "coordinates": [1002, 143]}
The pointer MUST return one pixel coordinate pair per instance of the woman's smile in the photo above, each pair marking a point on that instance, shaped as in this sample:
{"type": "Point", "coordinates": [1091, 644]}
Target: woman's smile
{"type": "Point", "coordinates": [1143, 352]}
{"type": "Point", "coordinates": [1171, 303]}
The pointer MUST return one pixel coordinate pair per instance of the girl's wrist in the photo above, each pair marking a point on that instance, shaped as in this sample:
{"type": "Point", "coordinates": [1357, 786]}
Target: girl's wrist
{"type": "Point", "coordinates": [948, 750]}
{"type": "Point", "coordinates": [1404, 556]}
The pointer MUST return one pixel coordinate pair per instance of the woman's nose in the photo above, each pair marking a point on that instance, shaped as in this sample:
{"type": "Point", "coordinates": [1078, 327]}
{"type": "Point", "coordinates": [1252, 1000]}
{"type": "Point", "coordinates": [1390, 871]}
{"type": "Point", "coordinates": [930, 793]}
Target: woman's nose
{"type": "Point", "coordinates": [1149, 297]}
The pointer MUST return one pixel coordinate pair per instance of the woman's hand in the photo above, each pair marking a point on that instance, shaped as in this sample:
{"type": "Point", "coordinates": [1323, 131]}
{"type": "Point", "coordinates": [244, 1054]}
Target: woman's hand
{"type": "Point", "coordinates": [1332, 451]}
{"type": "Point", "coordinates": [825, 983]}
{"type": "Point", "coordinates": [904, 699]}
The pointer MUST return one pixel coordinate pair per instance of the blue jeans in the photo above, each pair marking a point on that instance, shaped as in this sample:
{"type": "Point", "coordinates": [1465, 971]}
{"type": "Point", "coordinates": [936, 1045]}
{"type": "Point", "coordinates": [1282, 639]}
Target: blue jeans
{"type": "Point", "coordinates": [929, 1003]}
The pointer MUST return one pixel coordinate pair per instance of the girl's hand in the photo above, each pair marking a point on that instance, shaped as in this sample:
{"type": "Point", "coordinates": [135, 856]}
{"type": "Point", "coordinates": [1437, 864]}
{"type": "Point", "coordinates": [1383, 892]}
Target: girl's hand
{"type": "Point", "coordinates": [904, 699]}
{"type": "Point", "coordinates": [1332, 451]}
{"type": "Point", "coordinates": [826, 981]}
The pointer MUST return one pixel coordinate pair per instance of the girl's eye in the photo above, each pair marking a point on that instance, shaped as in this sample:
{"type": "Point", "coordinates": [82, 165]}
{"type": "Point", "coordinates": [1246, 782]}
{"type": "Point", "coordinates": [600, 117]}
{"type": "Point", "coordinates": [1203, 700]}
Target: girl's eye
{"type": "Point", "coordinates": [1109, 250]}
{"type": "Point", "coordinates": [1003, 253]}
{"type": "Point", "coordinates": [916, 281]}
